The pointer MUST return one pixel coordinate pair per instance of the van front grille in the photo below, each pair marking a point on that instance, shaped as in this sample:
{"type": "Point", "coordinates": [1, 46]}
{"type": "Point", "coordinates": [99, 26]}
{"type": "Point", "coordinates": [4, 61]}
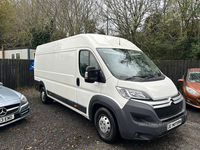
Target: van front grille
{"type": "Point", "coordinates": [169, 111]}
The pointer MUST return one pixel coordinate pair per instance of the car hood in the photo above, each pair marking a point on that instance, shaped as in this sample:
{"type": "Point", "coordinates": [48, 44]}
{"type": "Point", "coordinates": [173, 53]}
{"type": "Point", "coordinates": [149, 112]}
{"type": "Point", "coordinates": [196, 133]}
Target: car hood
{"type": "Point", "coordinates": [8, 96]}
{"type": "Point", "coordinates": [194, 85]}
{"type": "Point", "coordinates": [157, 90]}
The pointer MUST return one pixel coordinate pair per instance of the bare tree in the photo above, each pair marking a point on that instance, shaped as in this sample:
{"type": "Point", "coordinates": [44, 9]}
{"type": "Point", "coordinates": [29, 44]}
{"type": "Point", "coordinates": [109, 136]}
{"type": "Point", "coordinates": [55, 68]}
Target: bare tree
{"type": "Point", "coordinates": [77, 16]}
{"type": "Point", "coordinates": [64, 17]}
{"type": "Point", "coordinates": [127, 16]}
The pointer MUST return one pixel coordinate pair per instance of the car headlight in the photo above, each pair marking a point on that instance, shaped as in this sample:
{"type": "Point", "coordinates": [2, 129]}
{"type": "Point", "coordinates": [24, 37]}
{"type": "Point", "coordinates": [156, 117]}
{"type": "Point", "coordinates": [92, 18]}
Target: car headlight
{"type": "Point", "coordinates": [23, 99]}
{"type": "Point", "coordinates": [132, 94]}
{"type": "Point", "coordinates": [192, 91]}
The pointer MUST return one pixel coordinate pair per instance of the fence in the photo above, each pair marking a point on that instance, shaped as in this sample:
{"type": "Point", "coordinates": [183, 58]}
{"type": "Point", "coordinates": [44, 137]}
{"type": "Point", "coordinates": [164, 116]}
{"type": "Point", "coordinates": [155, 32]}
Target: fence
{"type": "Point", "coordinates": [16, 73]}
{"type": "Point", "coordinates": [175, 69]}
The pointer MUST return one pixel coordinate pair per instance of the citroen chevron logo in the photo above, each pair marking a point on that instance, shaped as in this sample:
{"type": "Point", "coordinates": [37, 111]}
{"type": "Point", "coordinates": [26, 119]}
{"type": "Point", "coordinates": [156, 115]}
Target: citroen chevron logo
{"type": "Point", "coordinates": [3, 111]}
{"type": "Point", "coordinates": [170, 99]}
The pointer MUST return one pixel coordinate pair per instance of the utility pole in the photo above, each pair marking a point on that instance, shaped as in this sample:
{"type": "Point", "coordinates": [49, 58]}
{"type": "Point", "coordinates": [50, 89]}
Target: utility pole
{"type": "Point", "coordinates": [107, 20]}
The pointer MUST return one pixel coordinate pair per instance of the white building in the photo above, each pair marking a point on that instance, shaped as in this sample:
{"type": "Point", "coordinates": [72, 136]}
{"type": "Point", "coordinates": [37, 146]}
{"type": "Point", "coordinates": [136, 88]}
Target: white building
{"type": "Point", "coordinates": [18, 53]}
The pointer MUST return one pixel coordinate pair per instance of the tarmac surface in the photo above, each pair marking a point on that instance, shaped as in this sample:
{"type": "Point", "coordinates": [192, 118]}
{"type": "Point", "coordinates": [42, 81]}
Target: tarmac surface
{"type": "Point", "coordinates": [56, 127]}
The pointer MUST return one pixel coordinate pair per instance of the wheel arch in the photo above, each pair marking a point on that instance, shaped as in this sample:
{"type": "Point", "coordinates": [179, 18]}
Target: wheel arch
{"type": "Point", "coordinates": [39, 85]}
{"type": "Point", "coordinates": [98, 101]}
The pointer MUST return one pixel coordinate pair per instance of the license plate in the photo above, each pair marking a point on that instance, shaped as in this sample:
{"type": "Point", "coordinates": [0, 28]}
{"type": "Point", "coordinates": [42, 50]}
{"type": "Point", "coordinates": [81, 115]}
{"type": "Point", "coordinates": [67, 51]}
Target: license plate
{"type": "Point", "coordinates": [7, 118]}
{"type": "Point", "coordinates": [174, 124]}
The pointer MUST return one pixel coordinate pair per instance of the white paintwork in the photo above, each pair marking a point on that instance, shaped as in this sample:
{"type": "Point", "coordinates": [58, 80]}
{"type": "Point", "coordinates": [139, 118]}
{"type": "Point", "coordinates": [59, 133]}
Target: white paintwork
{"type": "Point", "coordinates": [157, 90]}
{"type": "Point", "coordinates": [57, 65]}
{"type": "Point", "coordinates": [86, 90]}
{"type": "Point", "coordinates": [57, 71]}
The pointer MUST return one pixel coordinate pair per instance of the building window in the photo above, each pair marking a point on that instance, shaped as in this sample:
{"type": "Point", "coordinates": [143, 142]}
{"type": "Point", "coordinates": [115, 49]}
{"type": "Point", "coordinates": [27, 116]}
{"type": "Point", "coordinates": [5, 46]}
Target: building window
{"type": "Point", "coordinates": [12, 56]}
{"type": "Point", "coordinates": [17, 55]}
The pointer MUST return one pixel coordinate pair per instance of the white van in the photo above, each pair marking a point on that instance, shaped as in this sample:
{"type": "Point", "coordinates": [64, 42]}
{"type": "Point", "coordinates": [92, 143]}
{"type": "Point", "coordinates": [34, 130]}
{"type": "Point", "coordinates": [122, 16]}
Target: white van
{"type": "Point", "coordinates": [111, 82]}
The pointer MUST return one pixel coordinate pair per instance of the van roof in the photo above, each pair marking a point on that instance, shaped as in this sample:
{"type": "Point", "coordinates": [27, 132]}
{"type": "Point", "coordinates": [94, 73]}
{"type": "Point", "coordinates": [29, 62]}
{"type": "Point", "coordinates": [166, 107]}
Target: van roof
{"type": "Point", "coordinates": [88, 41]}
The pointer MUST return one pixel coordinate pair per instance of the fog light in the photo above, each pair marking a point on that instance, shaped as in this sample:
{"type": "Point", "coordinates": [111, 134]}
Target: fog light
{"type": "Point", "coordinates": [191, 102]}
{"type": "Point", "coordinates": [188, 100]}
{"type": "Point", "coordinates": [137, 135]}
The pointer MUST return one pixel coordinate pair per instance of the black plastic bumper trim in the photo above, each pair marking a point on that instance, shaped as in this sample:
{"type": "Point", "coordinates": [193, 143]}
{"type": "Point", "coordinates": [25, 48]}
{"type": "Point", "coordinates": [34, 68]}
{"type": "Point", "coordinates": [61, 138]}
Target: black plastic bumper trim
{"type": "Point", "coordinates": [68, 102]}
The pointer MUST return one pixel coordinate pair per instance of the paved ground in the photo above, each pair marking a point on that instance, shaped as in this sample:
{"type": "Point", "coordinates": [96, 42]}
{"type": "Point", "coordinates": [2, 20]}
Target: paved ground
{"type": "Point", "coordinates": [56, 127]}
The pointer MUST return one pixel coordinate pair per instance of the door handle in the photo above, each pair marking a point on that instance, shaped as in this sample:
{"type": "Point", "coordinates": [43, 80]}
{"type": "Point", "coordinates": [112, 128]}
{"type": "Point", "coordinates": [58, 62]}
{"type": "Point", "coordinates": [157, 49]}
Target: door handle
{"type": "Point", "coordinates": [77, 81]}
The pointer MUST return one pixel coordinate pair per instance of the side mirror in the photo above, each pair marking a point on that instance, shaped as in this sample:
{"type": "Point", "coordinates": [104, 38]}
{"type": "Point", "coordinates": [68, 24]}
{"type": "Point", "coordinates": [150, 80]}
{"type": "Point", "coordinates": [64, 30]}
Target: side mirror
{"type": "Point", "coordinates": [1, 83]}
{"type": "Point", "coordinates": [180, 80]}
{"type": "Point", "coordinates": [91, 74]}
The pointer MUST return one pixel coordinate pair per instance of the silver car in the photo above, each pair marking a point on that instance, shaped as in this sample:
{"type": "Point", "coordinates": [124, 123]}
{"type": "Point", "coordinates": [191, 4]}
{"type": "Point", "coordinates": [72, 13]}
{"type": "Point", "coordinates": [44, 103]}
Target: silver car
{"type": "Point", "coordinates": [13, 106]}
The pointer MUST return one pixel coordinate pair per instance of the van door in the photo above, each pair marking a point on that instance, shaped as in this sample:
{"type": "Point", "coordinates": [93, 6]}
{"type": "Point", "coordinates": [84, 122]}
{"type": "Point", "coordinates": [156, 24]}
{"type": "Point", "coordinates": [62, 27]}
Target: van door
{"type": "Point", "coordinates": [85, 91]}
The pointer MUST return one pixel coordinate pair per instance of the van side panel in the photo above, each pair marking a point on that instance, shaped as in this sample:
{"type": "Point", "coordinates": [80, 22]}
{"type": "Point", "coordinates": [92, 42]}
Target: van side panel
{"type": "Point", "coordinates": [57, 72]}
{"type": "Point", "coordinates": [65, 74]}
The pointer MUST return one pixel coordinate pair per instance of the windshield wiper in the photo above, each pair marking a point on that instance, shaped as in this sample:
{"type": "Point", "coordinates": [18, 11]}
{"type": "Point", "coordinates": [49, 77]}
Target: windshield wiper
{"type": "Point", "coordinates": [148, 76]}
{"type": "Point", "coordinates": [134, 78]}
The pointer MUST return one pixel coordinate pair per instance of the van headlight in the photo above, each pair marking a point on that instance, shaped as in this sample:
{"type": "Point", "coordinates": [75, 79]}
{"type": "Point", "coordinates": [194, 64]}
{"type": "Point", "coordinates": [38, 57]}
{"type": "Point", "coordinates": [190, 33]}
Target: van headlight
{"type": "Point", "coordinates": [133, 94]}
{"type": "Point", "coordinates": [192, 91]}
{"type": "Point", "coordinates": [23, 99]}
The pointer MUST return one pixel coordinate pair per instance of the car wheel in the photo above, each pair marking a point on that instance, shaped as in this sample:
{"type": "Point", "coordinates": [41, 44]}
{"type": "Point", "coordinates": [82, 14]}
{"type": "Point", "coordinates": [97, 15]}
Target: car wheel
{"type": "Point", "coordinates": [43, 96]}
{"type": "Point", "coordinates": [105, 125]}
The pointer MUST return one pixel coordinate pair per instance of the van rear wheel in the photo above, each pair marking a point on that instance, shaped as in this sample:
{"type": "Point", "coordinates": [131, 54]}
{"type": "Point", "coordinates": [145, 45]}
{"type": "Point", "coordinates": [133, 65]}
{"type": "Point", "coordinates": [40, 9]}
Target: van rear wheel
{"type": "Point", "coordinates": [105, 125]}
{"type": "Point", "coordinates": [43, 96]}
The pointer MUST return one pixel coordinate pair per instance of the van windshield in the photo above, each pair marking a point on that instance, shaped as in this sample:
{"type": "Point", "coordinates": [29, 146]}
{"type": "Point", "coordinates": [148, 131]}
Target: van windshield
{"type": "Point", "coordinates": [130, 65]}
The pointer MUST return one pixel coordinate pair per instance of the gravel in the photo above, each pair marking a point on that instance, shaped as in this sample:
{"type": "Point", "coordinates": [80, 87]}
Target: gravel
{"type": "Point", "coordinates": [56, 127]}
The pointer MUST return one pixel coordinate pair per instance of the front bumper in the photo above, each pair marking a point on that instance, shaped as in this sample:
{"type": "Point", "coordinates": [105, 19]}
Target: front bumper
{"type": "Point", "coordinates": [21, 113]}
{"type": "Point", "coordinates": [139, 121]}
{"type": "Point", "coordinates": [192, 100]}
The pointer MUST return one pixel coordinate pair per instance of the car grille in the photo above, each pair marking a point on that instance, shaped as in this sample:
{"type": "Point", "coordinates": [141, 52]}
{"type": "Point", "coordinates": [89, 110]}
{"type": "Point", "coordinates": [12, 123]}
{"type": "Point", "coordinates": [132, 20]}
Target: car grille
{"type": "Point", "coordinates": [169, 111]}
{"type": "Point", "coordinates": [12, 108]}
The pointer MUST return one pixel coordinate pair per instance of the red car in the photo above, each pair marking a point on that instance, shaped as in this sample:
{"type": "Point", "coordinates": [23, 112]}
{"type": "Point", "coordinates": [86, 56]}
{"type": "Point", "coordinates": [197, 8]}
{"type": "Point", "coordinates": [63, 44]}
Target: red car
{"type": "Point", "coordinates": [190, 87]}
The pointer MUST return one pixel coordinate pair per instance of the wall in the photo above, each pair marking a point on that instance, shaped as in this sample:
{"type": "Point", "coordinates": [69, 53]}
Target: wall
{"type": "Point", "coordinates": [32, 52]}
{"type": "Point", "coordinates": [23, 53]}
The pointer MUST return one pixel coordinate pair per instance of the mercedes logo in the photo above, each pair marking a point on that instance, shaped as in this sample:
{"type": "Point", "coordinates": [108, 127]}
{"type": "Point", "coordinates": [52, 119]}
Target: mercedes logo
{"type": "Point", "coordinates": [3, 111]}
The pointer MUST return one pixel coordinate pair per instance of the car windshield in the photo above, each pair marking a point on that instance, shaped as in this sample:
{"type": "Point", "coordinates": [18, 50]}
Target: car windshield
{"type": "Point", "coordinates": [130, 64]}
{"type": "Point", "coordinates": [194, 76]}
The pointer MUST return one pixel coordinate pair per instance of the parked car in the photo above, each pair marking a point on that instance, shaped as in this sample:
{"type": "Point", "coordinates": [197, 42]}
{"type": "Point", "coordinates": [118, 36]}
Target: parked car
{"type": "Point", "coordinates": [13, 106]}
{"type": "Point", "coordinates": [190, 87]}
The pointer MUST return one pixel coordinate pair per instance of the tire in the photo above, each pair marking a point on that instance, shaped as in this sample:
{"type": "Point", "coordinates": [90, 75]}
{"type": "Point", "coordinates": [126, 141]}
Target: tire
{"type": "Point", "coordinates": [43, 96]}
{"type": "Point", "coordinates": [106, 125]}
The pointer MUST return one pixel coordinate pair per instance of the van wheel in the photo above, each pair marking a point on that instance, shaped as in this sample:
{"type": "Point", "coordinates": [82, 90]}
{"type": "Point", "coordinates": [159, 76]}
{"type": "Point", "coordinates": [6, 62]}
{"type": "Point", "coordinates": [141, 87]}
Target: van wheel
{"type": "Point", "coordinates": [43, 96]}
{"type": "Point", "coordinates": [105, 125]}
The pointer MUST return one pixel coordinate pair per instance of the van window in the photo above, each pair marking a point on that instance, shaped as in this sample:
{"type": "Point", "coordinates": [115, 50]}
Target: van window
{"type": "Point", "coordinates": [130, 65]}
{"type": "Point", "coordinates": [86, 58]}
